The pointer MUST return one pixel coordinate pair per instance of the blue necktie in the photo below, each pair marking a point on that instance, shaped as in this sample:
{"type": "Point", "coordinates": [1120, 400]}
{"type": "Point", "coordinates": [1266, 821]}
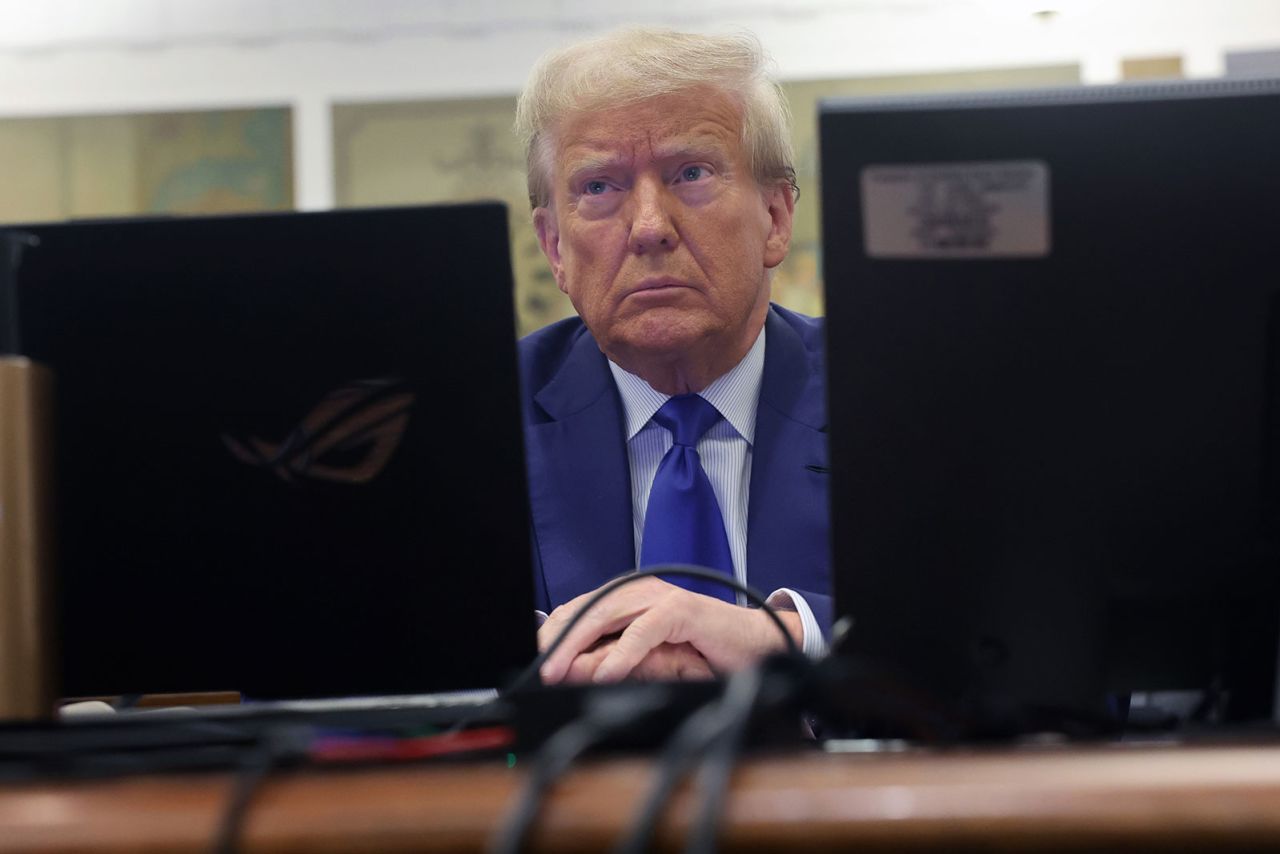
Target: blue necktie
{"type": "Point", "coordinates": [682, 523]}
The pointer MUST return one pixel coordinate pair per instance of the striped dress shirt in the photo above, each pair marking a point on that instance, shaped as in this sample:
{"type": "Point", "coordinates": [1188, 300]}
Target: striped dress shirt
{"type": "Point", "coordinates": [725, 451]}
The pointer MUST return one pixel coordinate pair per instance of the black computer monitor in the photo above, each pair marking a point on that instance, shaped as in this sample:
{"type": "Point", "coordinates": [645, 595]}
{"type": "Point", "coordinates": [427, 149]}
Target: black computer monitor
{"type": "Point", "coordinates": [1054, 351]}
{"type": "Point", "coordinates": [288, 451]}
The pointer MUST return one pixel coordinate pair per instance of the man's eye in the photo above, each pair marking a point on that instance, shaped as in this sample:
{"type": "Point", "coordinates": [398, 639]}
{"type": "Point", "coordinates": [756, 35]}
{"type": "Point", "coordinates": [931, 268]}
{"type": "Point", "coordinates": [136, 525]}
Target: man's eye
{"type": "Point", "coordinates": [692, 173]}
{"type": "Point", "coordinates": [595, 188]}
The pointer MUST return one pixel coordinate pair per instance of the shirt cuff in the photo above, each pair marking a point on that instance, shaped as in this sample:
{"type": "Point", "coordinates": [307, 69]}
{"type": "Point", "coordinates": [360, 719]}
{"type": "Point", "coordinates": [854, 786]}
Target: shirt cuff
{"type": "Point", "coordinates": [814, 644]}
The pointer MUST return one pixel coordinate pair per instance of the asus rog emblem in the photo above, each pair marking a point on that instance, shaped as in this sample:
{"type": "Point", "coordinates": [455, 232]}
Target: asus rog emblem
{"type": "Point", "coordinates": [347, 438]}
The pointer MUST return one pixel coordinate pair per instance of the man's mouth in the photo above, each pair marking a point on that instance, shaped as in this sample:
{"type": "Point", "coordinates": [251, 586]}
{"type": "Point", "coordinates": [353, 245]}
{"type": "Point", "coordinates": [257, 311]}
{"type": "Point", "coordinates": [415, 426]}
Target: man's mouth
{"type": "Point", "coordinates": [658, 284]}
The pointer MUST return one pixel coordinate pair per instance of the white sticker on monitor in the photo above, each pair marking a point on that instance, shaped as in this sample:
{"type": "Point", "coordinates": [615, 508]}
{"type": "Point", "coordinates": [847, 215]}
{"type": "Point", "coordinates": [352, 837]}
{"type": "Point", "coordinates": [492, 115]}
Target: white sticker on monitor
{"type": "Point", "coordinates": [997, 209]}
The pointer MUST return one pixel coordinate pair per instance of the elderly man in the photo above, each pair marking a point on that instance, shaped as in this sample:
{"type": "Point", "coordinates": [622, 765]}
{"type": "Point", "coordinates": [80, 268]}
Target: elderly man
{"type": "Point", "coordinates": [680, 417]}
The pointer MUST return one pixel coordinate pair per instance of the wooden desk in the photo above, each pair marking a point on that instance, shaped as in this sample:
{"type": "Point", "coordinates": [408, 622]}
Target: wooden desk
{"type": "Point", "coordinates": [1190, 798]}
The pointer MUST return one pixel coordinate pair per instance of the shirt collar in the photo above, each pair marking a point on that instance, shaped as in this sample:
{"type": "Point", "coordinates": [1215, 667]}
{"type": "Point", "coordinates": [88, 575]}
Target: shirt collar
{"type": "Point", "coordinates": [734, 394]}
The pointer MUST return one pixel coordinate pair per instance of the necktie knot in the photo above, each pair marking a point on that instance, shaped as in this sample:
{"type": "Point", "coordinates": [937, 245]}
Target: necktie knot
{"type": "Point", "coordinates": [688, 417]}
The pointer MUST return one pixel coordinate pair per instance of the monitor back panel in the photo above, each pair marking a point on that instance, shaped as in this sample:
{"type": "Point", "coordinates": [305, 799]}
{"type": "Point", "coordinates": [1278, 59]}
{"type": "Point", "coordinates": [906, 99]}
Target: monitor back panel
{"type": "Point", "coordinates": [288, 450]}
{"type": "Point", "coordinates": [1054, 428]}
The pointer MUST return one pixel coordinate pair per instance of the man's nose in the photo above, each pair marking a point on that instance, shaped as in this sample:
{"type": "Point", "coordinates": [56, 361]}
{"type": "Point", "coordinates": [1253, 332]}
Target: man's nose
{"type": "Point", "coordinates": [652, 226]}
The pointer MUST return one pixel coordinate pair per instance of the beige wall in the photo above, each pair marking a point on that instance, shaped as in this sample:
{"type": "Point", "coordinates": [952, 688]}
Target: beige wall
{"type": "Point", "coordinates": [57, 168]}
{"type": "Point", "coordinates": [1151, 68]}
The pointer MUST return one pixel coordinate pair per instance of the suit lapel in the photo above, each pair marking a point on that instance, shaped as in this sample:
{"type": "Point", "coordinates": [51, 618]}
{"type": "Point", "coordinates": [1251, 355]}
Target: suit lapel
{"type": "Point", "coordinates": [787, 535]}
{"type": "Point", "coordinates": [580, 481]}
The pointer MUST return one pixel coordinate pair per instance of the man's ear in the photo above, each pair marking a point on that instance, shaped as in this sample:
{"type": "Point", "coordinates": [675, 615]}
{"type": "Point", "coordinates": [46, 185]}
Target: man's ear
{"type": "Point", "coordinates": [544, 222]}
{"type": "Point", "coordinates": [781, 205]}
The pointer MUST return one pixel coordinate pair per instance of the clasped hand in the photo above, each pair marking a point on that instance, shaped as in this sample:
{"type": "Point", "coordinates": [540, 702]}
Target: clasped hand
{"type": "Point", "coordinates": [651, 629]}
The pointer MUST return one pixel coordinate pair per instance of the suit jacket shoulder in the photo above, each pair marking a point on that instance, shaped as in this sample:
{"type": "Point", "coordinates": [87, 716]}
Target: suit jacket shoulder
{"type": "Point", "coordinates": [542, 354]}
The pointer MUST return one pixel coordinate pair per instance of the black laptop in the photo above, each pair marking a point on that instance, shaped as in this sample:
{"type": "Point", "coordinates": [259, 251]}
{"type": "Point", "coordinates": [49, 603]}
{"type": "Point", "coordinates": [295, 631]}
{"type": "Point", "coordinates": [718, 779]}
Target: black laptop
{"type": "Point", "coordinates": [289, 459]}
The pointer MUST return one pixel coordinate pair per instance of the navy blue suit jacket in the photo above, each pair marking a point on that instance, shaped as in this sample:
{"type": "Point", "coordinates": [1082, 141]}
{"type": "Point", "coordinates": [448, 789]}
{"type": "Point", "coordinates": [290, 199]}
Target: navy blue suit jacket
{"type": "Point", "coordinates": [580, 482]}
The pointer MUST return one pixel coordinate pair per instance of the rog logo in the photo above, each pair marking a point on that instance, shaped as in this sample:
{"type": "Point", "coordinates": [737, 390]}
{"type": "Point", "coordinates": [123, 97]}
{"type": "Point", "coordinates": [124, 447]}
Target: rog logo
{"type": "Point", "coordinates": [347, 438]}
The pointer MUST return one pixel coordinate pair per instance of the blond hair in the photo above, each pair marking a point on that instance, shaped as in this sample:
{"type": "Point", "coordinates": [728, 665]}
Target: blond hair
{"type": "Point", "coordinates": [633, 65]}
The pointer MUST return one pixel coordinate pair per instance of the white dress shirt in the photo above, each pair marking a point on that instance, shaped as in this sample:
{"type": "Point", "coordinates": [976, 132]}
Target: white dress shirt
{"type": "Point", "coordinates": [725, 451]}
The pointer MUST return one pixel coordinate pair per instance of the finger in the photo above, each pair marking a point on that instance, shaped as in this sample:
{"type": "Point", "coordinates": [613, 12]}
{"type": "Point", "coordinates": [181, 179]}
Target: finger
{"type": "Point", "coordinates": [555, 625]}
{"type": "Point", "coordinates": [694, 668]}
{"type": "Point", "coordinates": [583, 668]}
{"type": "Point", "coordinates": [608, 617]}
{"type": "Point", "coordinates": [646, 632]}
{"type": "Point", "coordinates": [547, 631]}
{"type": "Point", "coordinates": [583, 636]}
{"type": "Point", "coordinates": [558, 619]}
{"type": "Point", "coordinates": [657, 665]}
{"type": "Point", "coordinates": [670, 661]}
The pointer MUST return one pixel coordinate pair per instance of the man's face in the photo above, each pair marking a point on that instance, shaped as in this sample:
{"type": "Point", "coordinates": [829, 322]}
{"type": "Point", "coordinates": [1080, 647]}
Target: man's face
{"type": "Point", "coordinates": [658, 231]}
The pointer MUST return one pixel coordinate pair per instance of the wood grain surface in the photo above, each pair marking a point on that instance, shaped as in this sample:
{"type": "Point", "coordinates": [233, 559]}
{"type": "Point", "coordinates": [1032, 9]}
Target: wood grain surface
{"type": "Point", "coordinates": [1060, 799]}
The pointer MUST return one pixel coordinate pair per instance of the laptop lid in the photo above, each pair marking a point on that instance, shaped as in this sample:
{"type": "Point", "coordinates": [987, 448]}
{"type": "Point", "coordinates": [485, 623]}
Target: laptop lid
{"type": "Point", "coordinates": [289, 459]}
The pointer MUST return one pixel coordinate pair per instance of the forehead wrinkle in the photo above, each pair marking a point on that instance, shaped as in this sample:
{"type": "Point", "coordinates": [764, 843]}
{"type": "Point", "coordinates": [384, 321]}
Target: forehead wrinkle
{"type": "Point", "coordinates": [592, 156]}
{"type": "Point", "coordinates": [683, 148]}
{"type": "Point", "coordinates": [704, 137]}
{"type": "Point", "coordinates": [643, 133]}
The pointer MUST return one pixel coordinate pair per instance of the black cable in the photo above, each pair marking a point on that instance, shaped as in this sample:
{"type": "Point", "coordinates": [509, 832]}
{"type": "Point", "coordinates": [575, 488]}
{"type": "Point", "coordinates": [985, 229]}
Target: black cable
{"type": "Point", "coordinates": [277, 744]}
{"type": "Point", "coordinates": [702, 729]}
{"type": "Point", "coordinates": [606, 714]}
{"type": "Point", "coordinates": [530, 672]}
{"type": "Point", "coordinates": [554, 759]}
{"type": "Point", "coordinates": [254, 770]}
{"type": "Point", "coordinates": [739, 700]}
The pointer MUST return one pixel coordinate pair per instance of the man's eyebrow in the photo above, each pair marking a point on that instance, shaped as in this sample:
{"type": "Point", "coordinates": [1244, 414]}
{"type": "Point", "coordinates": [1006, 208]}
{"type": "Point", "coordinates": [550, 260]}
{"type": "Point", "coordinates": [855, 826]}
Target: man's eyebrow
{"type": "Point", "coordinates": [698, 147]}
{"type": "Point", "coordinates": [592, 163]}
